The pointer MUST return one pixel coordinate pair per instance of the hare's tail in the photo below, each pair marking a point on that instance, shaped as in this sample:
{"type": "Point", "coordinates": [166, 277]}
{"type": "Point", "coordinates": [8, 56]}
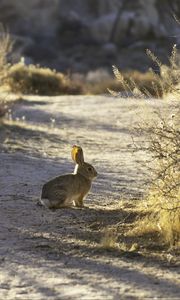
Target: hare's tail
{"type": "Point", "coordinates": [45, 202]}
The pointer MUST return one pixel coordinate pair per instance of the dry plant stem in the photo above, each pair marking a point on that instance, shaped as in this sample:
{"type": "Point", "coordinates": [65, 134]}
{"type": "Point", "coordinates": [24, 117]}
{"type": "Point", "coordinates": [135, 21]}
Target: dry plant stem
{"type": "Point", "coordinates": [156, 85]}
{"type": "Point", "coordinates": [6, 45]}
{"type": "Point", "coordinates": [5, 48]}
{"type": "Point", "coordinates": [163, 199]}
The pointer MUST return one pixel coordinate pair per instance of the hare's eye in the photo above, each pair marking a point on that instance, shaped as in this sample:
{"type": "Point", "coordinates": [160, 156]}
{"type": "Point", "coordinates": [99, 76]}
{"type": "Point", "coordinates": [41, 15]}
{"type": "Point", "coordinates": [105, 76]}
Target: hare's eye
{"type": "Point", "coordinates": [89, 169]}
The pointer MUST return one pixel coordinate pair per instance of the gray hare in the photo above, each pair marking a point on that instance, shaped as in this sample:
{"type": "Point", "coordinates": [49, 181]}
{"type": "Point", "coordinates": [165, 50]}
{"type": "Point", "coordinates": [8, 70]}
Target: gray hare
{"type": "Point", "coordinates": [69, 189]}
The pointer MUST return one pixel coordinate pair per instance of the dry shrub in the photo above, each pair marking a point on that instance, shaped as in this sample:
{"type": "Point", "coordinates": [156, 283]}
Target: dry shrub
{"type": "Point", "coordinates": [163, 202]}
{"type": "Point", "coordinates": [151, 84]}
{"type": "Point", "coordinates": [33, 79]}
{"type": "Point", "coordinates": [162, 207]}
{"type": "Point", "coordinates": [164, 197]}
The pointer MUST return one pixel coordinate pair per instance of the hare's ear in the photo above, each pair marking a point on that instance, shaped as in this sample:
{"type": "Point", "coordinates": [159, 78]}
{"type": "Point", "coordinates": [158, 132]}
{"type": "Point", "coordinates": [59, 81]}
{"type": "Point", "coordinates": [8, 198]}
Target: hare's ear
{"type": "Point", "coordinates": [77, 155]}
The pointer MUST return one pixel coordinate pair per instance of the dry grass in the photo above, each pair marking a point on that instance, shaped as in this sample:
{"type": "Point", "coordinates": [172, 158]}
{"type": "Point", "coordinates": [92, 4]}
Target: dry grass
{"type": "Point", "coordinates": [33, 79]}
{"type": "Point", "coordinates": [162, 206]}
{"type": "Point", "coordinates": [42, 81]}
{"type": "Point", "coordinates": [151, 84]}
{"type": "Point", "coordinates": [126, 82]}
{"type": "Point", "coordinates": [164, 196]}
{"type": "Point", "coordinates": [109, 239]}
{"type": "Point", "coordinates": [5, 48]}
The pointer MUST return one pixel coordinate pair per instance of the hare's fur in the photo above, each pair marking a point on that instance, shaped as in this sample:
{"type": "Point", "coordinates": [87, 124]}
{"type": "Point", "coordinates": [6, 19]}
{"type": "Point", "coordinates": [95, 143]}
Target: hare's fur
{"type": "Point", "coordinates": [69, 189]}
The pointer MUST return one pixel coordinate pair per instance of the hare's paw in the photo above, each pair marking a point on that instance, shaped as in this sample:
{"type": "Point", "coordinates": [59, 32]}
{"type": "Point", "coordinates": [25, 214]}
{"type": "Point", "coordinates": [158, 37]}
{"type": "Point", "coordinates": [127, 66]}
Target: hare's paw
{"type": "Point", "coordinates": [79, 203]}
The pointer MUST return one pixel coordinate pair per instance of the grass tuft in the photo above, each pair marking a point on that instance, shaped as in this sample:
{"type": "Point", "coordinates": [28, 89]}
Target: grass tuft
{"type": "Point", "coordinates": [109, 239]}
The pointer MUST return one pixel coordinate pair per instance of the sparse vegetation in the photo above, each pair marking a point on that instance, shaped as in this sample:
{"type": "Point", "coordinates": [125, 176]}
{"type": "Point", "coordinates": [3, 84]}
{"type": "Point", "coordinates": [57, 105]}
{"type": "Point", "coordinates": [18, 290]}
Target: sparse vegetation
{"type": "Point", "coordinates": [151, 84]}
{"type": "Point", "coordinates": [33, 79]}
{"type": "Point", "coordinates": [146, 81]}
{"type": "Point", "coordinates": [5, 49]}
{"type": "Point", "coordinates": [162, 206]}
{"type": "Point", "coordinates": [109, 239]}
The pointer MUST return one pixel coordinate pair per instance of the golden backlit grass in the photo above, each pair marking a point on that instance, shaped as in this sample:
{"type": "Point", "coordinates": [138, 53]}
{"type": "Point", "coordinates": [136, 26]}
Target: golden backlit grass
{"type": "Point", "coordinates": [5, 48]}
{"type": "Point", "coordinates": [33, 79]}
{"type": "Point", "coordinates": [150, 84]}
{"type": "Point", "coordinates": [162, 206]}
{"type": "Point", "coordinates": [161, 225]}
{"type": "Point", "coordinates": [125, 82]}
{"type": "Point", "coordinates": [109, 239]}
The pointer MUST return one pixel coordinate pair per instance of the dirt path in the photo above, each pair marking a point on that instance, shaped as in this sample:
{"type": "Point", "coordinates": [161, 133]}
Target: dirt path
{"type": "Point", "coordinates": [58, 255]}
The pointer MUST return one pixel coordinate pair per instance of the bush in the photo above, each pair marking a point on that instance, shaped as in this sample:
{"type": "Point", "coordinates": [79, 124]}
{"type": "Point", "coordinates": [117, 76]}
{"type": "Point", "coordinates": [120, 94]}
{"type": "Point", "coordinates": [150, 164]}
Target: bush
{"type": "Point", "coordinates": [164, 147]}
{"type": "Point", "coordinates": [162, 206]}
{"type": "Point", "coordinates": [42, 81]}
{"type": "Point", "coordinates": [163, 202]}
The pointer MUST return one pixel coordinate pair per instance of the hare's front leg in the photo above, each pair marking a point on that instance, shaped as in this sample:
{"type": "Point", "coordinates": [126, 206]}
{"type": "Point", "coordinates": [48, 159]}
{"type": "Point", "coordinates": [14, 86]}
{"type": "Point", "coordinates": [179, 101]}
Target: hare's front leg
{"type": "Point", "coordinates": [79, 202]}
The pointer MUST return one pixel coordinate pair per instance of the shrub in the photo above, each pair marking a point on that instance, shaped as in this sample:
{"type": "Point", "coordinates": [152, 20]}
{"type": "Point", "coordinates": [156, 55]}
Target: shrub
{"type": "Point", "coordinates": [33, 79]}
{"type": "Point", "coordinates": [164, 147]}
{"type": "Point", "coordinates": [163, 201]}
{"type": "Point", "coordinates": [162, 206]}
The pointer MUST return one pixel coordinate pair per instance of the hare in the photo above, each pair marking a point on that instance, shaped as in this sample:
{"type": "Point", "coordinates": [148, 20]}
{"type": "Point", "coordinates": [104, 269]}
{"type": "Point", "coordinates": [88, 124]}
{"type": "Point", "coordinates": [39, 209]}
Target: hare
{"type": "Point", "coordinates": [65, 190]}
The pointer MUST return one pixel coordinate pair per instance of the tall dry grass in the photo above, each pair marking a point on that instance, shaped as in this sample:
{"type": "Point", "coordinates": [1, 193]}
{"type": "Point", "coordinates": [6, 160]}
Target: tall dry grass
{"type": "Point", "coordinates": [151, 84]}
{"type": "Point", "coordinates": [162, 206]}
{"type": "Point", "coordinates": [5, 49]}
{"type": "Point", "coordinates": [33, 79]}
{"type": "Point", "coordinates": [124, 83]}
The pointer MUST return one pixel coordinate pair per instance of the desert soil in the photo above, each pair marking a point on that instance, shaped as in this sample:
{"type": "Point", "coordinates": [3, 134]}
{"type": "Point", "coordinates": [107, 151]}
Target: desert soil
{"type": "Point", "coordinates": [59, 254]}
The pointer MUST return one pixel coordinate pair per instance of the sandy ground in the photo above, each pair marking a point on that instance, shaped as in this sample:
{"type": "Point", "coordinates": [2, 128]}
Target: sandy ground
{"type": "Point", "coordinates": [58, 254]}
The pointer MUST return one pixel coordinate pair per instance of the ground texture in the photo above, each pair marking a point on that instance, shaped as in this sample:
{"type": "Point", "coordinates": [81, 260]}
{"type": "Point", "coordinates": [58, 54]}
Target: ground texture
{"type": "Point", "coordinates": [59, 254]}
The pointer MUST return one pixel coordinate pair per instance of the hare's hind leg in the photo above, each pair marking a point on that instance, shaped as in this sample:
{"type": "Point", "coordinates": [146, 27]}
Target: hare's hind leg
{"type": "Point", "coordinates": [79, 202]}
{"type": "Point", "coordinates": [56, 199]}
{"type": "Point", "coordinates": [54, 203]}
